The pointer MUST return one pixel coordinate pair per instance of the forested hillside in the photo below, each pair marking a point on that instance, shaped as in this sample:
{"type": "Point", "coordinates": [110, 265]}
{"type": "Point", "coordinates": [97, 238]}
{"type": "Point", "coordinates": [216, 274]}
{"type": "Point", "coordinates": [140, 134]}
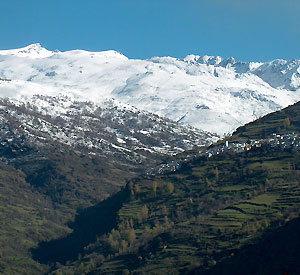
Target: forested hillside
{"type": "Point", "coordinates": [217, 205]}
{"type": "Point", "coordinates": [59, 156]}
{"type": "Point", "coordinates": [41, 193]}
{"type": "Point", "coordinates": [208, 213]}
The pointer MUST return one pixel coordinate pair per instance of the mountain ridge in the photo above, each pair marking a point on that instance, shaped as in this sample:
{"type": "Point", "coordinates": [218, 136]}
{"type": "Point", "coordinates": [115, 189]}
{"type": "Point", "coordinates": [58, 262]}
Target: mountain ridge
{"type": "Point", "coordinates": [76, 128]}
{"type": "Point", "coordinates": [210, 93]}
{"type": "Point", "coordinates": [212, 214]}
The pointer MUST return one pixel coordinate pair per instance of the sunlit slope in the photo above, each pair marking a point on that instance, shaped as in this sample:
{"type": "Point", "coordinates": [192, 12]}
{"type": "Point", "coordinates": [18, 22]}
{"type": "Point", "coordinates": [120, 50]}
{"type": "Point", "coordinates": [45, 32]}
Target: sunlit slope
{"type": "Point", "coordinates": [199, 217]}
{"type": "Point", "coordinates": [211, 93]}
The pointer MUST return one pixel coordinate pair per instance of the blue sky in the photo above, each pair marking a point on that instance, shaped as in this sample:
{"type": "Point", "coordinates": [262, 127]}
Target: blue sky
{"type": "Point", "coordinates": [256, 30]}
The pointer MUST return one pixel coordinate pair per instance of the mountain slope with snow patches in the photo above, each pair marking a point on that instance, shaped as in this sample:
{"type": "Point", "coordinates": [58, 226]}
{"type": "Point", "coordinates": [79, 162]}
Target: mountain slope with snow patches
{"type": "Point", "coordinates": [210, 93]}
{"type": "Point", "coordinates": [112, 130]}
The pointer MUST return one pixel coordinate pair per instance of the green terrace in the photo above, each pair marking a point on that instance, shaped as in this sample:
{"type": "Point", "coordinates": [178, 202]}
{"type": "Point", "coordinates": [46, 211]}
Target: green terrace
{"type": "Point", "coordinates": [198, 216]}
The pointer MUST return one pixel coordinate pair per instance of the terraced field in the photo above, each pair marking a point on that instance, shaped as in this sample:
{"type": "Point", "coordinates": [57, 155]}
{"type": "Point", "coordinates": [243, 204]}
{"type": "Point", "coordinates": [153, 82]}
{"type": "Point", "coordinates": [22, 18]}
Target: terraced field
{"type": "Point", "coordinates": [204, 215]}
{"type": "Point", "coordinates": [200, 216]}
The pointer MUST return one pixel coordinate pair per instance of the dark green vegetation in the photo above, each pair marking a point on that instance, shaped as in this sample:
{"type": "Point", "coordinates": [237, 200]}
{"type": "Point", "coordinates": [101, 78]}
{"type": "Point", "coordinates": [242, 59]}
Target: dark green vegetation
{"type": "Point", "coordinates": [85, 229]}
{"type": "Point", "coordinates": [41, 192]}
{"type": "Point", "coordinates": [42, 187]}
{"type": "Point", "coordinates": [281, 122]}
{"type": "Point", "coordinates": [26, 217]}
{"type": "Point", "coordinates": [208, 217]}
{"type": "Point", "coordinates": [276, 253]}
{"type": "Point", "coordinates": [199, 216]}
{"type": "Point", "coordinates": [58, 157]}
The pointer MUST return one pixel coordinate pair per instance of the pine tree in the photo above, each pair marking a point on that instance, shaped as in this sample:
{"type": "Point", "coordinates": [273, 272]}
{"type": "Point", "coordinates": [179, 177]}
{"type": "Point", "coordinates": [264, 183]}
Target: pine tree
{"type": "Point", "coordinates": [287, 123]}
{"type": "Point", "coordinates": [154, 187]}
{"type": "Point", "coordinates": [170, 187]}
{"type": "Point", "coordinates": [217, 173]}
{"type": "Point", "coordinates": [145, 212]}
{"type": "Point", "coordinates": [131, 236]}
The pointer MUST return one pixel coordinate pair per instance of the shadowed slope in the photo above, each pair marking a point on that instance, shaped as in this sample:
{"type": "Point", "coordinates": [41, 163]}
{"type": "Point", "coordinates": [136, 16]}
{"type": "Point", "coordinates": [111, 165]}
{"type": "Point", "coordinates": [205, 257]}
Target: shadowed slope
{"type": "Point", "coordinates": [89, 223]}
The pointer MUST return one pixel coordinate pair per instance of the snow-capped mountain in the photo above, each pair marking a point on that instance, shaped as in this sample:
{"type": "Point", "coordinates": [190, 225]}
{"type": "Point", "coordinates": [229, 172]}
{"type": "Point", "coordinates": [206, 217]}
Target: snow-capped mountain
{"type": "Point", "coordinates": [210, 93]}
{"type": "Point", "coordinates": [31, 51]}
{"type": "Point", "coordinates": [277, 73]}
{"type": "Point", "coordinates": [112, 131]}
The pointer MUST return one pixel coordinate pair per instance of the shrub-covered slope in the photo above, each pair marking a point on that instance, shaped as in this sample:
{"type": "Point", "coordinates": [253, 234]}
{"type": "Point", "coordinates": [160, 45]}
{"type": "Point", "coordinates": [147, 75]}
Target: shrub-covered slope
{"type": "Point", "coordinates": [59, 156]}
{"type": "Point", "coordinates": [281, 122]}
{"type": "Point", "coordinates": [196, 219]}
{"type": "Point", "coordinates": [40, 192]}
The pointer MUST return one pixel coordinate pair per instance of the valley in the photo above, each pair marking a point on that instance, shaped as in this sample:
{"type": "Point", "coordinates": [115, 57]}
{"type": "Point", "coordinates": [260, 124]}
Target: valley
{"type": "Point", "coordinates": [111, 165]}
{"type": "Point", "coordinates": [197, 218]}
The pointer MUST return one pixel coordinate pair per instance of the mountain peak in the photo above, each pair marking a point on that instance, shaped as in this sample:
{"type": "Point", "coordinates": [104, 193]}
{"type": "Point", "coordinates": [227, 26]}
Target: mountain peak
{"type": "Point", "coordinates": [33, 51]}
{"type": "Point", "coordinates": [206, 59]}
{"type": "Point", "coordinates": [36, 46]}
{"type": "Point", "coordinates": [208, 92]}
